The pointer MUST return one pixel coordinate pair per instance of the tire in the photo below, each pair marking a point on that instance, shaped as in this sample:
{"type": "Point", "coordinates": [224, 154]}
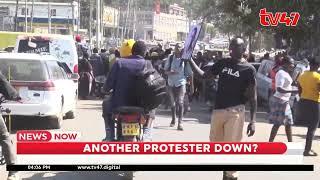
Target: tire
{"type": "Point", "coordinates": [56, 121]}
{"type": "Point", "coordinates": [70, 115]}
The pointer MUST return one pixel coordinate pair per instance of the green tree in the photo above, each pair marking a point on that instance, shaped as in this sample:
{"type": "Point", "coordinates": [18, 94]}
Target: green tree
{"type": "Point", "coordinates": [241, 17]}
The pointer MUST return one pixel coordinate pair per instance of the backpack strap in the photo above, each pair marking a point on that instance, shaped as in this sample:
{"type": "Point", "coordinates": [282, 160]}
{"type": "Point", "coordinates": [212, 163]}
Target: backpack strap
{"type": "Point", "coordinates": [170, 62]}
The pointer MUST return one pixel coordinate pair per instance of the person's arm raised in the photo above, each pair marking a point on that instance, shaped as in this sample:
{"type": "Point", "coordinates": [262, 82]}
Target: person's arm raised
{"type": "Point", "coordinates": [196, 69]}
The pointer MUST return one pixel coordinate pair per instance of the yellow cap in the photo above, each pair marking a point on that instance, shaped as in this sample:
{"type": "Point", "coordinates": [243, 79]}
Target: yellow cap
{"type": "Point", "coordinates": [126, 48]}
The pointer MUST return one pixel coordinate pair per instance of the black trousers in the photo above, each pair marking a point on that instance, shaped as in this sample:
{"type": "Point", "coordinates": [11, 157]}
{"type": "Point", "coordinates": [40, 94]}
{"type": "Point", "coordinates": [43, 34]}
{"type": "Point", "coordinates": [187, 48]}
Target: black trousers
{"type": "Point", "coordinates": [309, 111]}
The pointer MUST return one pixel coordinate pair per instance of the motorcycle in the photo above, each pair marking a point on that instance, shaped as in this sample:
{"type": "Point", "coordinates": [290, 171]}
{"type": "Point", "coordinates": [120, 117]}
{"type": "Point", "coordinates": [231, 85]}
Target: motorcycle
{"type": "Point", "coordinates": [99, 82]}
{"type": "Point", "coordinates": [129, 122]}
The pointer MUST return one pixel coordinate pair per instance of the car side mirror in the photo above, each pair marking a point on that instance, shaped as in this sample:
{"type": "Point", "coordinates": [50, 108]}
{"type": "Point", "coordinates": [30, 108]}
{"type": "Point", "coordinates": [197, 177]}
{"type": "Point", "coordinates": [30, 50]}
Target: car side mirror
{"type": "Point", "coordinates": [75, 76]}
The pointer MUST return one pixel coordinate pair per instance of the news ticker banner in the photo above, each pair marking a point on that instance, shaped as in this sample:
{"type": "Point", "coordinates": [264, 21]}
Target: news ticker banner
{"type": "Point", "coordinates": [57, 148]}
{"type": "Point", "coordinates": [105, 167]}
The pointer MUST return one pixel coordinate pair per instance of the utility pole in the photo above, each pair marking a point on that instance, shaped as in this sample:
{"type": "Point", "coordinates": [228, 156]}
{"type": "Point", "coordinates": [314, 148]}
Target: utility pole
{"type": "Point", "coordinates": [90, 24]}
{"type": "Point", "coordinates": [102, 23]}
{"type": "Point", "coordinates": [32, 14]}
{"type": "Point", "coordinates": [134, 20]}
{"type": "Point", "coordinates": [78, 19]}
{"type": "Point", "coordinates": [118, 20]}
{"type": "Point", "coordinates": [26, 15]}
{"type": "Point", "coordinates": [98, 23]}
{"type": "Point", "coordinates": [126, 21]}
{"type": "Point", "coordinates": [49, 18]}
{"type": "Point", "coordinates": [16, 17]}
{"type": "Point", "coordinates": [72, 9]}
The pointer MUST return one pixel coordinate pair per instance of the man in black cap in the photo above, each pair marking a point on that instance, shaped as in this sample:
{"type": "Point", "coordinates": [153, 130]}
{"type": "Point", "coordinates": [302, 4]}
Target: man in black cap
{"type": "Point", "coordinates": [236, 87]}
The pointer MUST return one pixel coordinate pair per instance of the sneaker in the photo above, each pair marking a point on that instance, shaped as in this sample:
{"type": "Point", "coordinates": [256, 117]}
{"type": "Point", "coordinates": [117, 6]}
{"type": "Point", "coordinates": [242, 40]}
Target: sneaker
{"type": "Point", "coordinates": [13, 176]}
{"type": "Point", "coordinates": [189, 109]}
{"type": "Point", "coordinates": [147, 135]}
{"type": "Point", "coordinates": [180, 127]}
{"type": "Point", "coordinates": [225, 177]}
{"type": "Point", "coordinates": [310, 153]}
{"type": "Point", "coordinates": [173, 123]}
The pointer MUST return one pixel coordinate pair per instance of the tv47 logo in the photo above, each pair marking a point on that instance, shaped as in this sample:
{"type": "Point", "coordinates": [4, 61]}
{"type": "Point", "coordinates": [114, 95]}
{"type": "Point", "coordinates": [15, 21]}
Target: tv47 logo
{"type": "Point", "coordinates": [270, 19]}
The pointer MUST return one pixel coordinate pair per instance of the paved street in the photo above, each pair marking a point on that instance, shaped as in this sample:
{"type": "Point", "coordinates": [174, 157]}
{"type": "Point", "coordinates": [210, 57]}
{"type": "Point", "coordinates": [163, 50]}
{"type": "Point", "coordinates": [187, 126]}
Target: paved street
{"type": "Point", "coordinates": [89, 122]}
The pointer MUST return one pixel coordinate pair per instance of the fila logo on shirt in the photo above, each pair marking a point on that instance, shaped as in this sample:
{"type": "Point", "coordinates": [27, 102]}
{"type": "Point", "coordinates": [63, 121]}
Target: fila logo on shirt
{"type": "Point", "coordinates": [231, 72]}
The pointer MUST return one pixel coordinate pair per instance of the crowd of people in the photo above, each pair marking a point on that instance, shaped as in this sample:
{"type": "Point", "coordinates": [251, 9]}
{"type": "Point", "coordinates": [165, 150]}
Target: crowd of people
{"type": "Point", "coordinates": [236, 86]}
{"type": "Point", "coordinates": [184, 86]}
{"type": "Point", "coordinates": [284, 80]}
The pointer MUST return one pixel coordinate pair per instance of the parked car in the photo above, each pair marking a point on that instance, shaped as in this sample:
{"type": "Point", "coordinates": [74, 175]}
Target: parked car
{"type": "Point", "coordinates": [46, 90]}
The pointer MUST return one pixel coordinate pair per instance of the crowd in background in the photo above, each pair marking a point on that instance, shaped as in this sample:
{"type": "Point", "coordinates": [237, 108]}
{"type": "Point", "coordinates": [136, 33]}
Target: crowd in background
{"type": "Point", "coordinates": [95, 68]}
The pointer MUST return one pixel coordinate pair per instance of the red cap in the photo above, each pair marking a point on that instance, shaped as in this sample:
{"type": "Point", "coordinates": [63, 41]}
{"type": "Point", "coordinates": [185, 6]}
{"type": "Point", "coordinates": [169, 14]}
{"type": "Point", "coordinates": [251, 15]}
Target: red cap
{"type": "Point", "coordinates": [78, 38]}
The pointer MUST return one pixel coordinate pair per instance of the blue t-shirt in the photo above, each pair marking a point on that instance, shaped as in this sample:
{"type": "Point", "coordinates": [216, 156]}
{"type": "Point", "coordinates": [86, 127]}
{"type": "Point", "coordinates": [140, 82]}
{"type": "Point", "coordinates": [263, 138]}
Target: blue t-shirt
{"type": "Point", "coordinates": [121, 79]}
{"type": "Point", "coordinates": [179, 79]}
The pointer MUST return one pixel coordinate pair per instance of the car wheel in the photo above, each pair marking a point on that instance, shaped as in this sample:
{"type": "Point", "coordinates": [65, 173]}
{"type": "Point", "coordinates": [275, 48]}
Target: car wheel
{"type": "Point", "coordinates": [70, 115]}
{"type": "Point", "coordinates": [56, 121]}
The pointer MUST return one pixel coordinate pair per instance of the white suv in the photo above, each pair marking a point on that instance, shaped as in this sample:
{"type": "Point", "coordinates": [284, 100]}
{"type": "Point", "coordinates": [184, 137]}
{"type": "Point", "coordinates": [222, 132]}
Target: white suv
{"type": "Point", "coordinates": [42, 83]}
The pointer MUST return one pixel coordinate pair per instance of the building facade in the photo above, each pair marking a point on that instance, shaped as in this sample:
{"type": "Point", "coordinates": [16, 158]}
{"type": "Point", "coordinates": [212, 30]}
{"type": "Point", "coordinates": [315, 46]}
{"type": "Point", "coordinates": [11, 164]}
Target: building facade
{"type": "Point", "coordinates": [155, 25]}
{"type": "Point", "coordinates": [63, 16]}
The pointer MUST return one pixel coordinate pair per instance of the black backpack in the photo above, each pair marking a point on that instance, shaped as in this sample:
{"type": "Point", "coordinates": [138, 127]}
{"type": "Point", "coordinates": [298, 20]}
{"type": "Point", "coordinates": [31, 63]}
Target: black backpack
{"type": "Point", "coordinates": [150, 88]}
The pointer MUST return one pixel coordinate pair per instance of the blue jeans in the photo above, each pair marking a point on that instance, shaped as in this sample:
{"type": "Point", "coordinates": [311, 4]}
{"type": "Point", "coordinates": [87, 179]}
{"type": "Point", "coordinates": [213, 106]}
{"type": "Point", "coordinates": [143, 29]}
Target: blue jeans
{"type": "Point", "coordinates": [177, 101]}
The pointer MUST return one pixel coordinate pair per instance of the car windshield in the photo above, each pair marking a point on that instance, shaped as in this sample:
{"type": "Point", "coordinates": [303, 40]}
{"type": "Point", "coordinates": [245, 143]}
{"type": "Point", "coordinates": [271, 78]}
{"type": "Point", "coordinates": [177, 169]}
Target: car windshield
{"type": "Point", "coordinates": [23, 70]}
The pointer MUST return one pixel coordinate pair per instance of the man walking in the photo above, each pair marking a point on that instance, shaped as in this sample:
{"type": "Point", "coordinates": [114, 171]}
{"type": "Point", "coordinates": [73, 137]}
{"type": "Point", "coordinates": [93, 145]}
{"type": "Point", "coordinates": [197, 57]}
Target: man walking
{"type": "Point", "coordinates": [98, 70]}
{"type": "Point", "coordinates": [236, 86]}
{"type": "Point", "coordinates": [105, 60]}
{"type": "Point", "coordinates": [7, 147]}
{"type": "Point", "coordinates": [177, 71]}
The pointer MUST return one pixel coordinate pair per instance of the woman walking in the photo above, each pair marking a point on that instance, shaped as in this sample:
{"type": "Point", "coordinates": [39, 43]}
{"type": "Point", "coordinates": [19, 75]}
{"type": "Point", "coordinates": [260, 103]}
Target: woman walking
{"type": "Point", "coordinates": [86, 78]}
{"type": "Point", "coordinates": [280, 111]}
{"type": "Point", "coordinates": [309, 104]}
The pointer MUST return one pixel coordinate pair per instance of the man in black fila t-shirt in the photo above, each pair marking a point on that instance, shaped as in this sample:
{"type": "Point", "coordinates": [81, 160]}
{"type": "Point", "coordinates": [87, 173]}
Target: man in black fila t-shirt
{"type": "Point", "coordinates": [236, 87]}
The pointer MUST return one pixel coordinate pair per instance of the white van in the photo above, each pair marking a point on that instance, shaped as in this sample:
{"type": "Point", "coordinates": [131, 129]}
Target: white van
{"type": "Point", "coordinates": [61, 46]}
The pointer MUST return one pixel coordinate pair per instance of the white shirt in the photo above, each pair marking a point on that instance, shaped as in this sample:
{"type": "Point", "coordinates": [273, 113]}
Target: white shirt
{"type": "Point", "coordinates": [284, 81]}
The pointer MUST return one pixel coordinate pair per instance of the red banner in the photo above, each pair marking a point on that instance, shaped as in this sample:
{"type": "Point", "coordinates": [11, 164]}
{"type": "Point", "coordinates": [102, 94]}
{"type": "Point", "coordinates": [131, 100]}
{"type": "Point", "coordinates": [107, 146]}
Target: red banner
{"type": "Point", "coordinates": [149, 148]}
